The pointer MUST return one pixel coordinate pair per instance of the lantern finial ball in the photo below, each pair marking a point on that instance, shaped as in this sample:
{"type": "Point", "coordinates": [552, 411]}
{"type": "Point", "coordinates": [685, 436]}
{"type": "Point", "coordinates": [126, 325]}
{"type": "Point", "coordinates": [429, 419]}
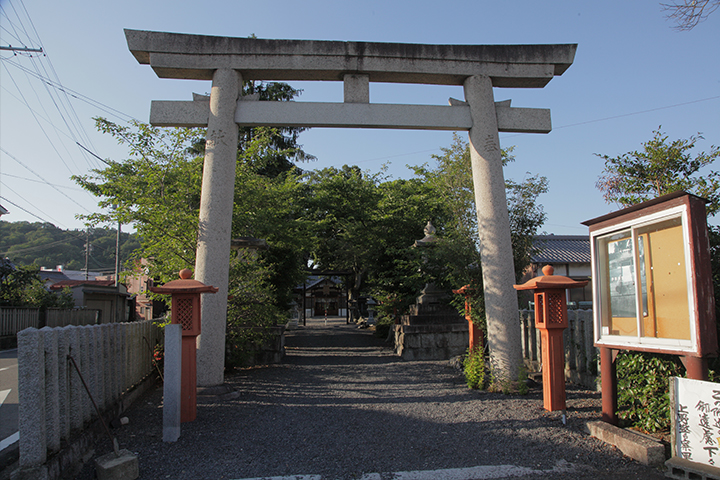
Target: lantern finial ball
{"type": "Point", "coordinates": [548, 270]}
{"type": "Point", "coordinates": [185, 273]}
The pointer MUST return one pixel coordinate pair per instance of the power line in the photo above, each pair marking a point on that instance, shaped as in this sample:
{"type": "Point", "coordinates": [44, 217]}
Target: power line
{"type": "Point", "coordinates": [77, 189]}
{"type": "Point", "coordinates": [623, 115]}
{"type": "Point", "coordinates": [84, 98]}
{"type": "Point", "coordinates": [562, 126]}
{"type": "Point", "coordinates": [41, 178]}
{"type": "Point", "coordinates": [55, 127]}
{"type": "Point", "coordinates": [21, 208]}
{"type": "Point", "coordinates": [93, 154]}
{"type": "Point", "coordinates": [639, 112]}
{"type": "Point", "coordinates": [38, 121]}
{"type": "Point", "coordinates": [67, 107]}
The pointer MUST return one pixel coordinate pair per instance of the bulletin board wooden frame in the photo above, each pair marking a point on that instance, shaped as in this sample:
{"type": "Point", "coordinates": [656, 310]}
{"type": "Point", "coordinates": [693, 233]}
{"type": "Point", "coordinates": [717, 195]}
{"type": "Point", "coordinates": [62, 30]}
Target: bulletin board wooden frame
{"type": "Point", "coordinates": [672, 314]}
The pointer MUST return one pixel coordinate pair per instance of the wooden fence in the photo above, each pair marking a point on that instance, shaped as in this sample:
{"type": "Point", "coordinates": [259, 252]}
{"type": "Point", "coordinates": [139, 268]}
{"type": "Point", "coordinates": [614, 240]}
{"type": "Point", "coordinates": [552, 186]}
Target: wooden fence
{"type": "Point", "coordinates": [16, 319]}
{"type": "Point", "coordinates": [60, 317]}
{"type": "Point", "coordinates": [13, 320]}
{"type": "Point", "coordinates": [581, 358]}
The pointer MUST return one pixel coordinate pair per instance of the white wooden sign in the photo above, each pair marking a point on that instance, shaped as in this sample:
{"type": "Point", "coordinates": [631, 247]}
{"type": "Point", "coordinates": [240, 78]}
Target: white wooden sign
{"type": "Point", "coordinates": [695, 413]}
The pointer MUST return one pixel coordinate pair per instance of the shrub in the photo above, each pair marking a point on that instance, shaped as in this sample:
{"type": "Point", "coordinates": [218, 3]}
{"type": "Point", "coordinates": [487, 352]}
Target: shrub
{"type": "Point", "coordinates": [474, 368]}
{"type": "Point", "coordinates": [383, 325]}
{"type": "Point", "coordinates": [252, 314]}
{"type": "Point", "coordinates": [643, 389]}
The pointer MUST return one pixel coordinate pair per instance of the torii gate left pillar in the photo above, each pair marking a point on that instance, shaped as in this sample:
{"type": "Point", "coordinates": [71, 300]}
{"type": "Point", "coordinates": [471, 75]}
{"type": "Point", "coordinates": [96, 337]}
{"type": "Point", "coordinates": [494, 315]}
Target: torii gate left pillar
{"type": "Point", "coordinates": [212, 258]}
{"type": "Point", "coordinates": [478, 68]}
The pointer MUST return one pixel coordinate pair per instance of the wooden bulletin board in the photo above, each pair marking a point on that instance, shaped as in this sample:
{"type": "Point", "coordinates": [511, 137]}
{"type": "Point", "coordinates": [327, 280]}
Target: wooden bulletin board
{"type": "Point", "coordinates": [652, 283]}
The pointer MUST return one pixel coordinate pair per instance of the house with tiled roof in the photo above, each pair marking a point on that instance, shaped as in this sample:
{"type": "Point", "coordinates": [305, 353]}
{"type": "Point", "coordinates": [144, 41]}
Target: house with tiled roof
{"type": "Point", "coordinates": [51, 277]}
{"type": "Point", "coordinates": [569, 255]}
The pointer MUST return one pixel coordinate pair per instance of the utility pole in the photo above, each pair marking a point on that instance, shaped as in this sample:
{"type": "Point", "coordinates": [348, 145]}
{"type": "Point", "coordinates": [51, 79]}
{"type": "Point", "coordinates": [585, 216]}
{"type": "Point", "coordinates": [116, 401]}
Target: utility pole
{"type": "Point", "coordinates": [87, 252]}
{"type": "Point", "coordinates": [117, 256]}
{"type": "Point", "coordinates": [118, 311]}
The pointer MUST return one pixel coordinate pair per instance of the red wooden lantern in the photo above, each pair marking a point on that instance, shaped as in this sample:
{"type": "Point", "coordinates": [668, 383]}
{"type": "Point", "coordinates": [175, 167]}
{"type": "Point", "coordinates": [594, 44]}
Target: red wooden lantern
{"type": "Point", "coordinates": [186, 312]}
{"type": "Point", "coordinates": [551, 319]}
{"type": "Point", "coordinates": [475, 334]}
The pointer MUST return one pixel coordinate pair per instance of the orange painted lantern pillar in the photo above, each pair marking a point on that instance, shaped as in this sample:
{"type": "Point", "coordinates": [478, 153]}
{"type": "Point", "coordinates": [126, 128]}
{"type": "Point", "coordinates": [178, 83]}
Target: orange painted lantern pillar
{"type": "Point", "coordinates": [186, 312]}
{"type": "Point", "coordinates": [476, 335]}
{"type": "Point", "coordinates": [551, 320]}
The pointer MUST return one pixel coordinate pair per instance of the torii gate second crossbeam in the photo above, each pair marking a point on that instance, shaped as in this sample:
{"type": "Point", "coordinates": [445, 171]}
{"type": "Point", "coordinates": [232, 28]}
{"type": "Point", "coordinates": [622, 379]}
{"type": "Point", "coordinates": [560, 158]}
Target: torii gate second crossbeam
{"type": "Point", "coordinates": [229, 61]}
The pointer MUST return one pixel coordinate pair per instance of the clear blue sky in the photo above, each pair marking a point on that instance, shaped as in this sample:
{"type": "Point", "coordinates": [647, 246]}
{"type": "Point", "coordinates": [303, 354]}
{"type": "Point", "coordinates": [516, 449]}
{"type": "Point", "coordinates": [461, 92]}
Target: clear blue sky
{"type": "Point", "coordinates": [632, 73]}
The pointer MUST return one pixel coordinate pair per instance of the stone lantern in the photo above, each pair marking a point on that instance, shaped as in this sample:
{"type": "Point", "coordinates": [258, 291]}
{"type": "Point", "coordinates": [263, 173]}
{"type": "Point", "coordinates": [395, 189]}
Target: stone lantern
{"type": "Point", "coordinates": [551, 320]}
{"type": "Point", "coordinates": [186, 312]}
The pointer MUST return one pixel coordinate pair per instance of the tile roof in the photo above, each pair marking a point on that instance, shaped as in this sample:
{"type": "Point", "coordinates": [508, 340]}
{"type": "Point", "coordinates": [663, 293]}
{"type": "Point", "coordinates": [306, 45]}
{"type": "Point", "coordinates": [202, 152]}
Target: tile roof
{"type": "Point", "coordinates": [73, 283]}
{"type": "Point", "coordinates": [313, 280]}
{"type": "Point", "coordinates": [562, 249]}
{"type": "Point", "coordinates": [53, 276]}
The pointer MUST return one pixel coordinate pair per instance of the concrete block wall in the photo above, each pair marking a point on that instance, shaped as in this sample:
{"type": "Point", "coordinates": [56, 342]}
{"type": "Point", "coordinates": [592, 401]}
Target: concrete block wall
{"type": "Point", "coordinates": [53, 404]}
{"type": "Point", "coordinates": [581, 360]}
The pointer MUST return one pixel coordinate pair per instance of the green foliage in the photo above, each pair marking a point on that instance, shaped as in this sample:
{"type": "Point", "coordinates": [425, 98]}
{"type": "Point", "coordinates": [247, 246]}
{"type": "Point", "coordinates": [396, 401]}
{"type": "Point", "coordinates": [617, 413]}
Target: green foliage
{"type": "Point", "coordinates": [643, 396]}
{"type": "Point", "coordinates": [474, 368]}
{"type": "Point", "coordinates": [266, 151]}
{"type": "Point", "coordinates": [661, 167]}
{"type": "Point", "coordinates": [522, 388]}
{"type": "Point", "coordinates": [456, 260]}
{"type": "Point", "coordinates": [252, 313]}
{"type": "Point", "coordinates": [46, 245]}
{"type": "Point", "coordinates": [714, 237]}
{"type": "Point", "coordinates": [157, 190]}
{"type": "Point", "coordinates": [22, 287]}
{"type": "Point", "coordinates": [366, 225]}
{"type": "Point", "coordinates": [383, 325]}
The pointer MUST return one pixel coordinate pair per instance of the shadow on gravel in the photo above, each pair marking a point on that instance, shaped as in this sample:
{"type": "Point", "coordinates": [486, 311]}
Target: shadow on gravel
{"type": "Point", "coordinates": [343, 405]}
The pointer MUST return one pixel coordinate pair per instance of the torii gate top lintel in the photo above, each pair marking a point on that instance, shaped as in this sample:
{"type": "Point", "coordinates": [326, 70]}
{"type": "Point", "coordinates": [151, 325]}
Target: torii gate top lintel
{"type": "Point", "coordinates": [176, 55]}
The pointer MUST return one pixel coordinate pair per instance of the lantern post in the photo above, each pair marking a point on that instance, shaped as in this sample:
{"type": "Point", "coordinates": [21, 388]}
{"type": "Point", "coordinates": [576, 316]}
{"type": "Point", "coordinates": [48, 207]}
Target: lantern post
{"type": "Point", "coordinates": [475, 334]}
{"type": "Point", "coordinates": [551, 320]}
{"type": "Point", "coordinates": [186, 312]}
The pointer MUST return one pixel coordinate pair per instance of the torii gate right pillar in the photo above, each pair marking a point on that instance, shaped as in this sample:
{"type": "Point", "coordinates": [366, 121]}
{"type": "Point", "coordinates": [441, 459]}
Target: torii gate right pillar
{"type": "Point", "coordinates": [501, 305]}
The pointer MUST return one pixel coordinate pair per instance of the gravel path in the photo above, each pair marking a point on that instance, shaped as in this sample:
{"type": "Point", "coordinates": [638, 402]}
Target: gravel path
{"type": "Point", "coordinates": [341, 405]}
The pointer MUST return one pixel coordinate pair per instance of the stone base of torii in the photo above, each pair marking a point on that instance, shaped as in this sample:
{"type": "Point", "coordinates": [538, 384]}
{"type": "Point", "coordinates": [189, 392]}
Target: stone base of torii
{"type": "Point", "coordinates": [230, 61]}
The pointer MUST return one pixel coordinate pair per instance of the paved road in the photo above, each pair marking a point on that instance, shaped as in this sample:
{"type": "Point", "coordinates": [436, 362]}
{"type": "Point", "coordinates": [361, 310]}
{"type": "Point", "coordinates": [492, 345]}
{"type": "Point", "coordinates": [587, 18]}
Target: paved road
{"type": "Point", "coordinates": [8, 406]}
{"type": "Point", "coordinates": [342, 406]}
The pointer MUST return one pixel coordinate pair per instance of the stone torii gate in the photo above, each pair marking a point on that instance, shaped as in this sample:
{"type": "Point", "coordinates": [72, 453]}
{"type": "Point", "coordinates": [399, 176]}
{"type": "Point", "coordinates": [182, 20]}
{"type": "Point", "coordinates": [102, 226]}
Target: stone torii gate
{"type": "Point", "coordinates": [230, 61]}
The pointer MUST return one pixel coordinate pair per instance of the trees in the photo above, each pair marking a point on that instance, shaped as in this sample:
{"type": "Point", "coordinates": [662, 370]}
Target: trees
{"type": "Point", "coordinates": [452, 182]}
{"type": "Point", "coordinates": [156, 189]}
{"type": "Point", "coordinates": [46, 245]}
{"type": "Point", "coordinates": [689, 13]}
{"type": "Point", "coordinates": [279, 147]}
{"type": "Point", "coordinates": [22, 287]}
{"type": "Point", "coordinates": [661, 167]}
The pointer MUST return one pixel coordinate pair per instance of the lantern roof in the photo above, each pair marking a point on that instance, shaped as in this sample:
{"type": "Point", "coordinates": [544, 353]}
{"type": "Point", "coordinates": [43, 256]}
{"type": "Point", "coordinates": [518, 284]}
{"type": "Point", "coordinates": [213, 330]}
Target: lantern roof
{"type": "Point", "coordinates": [550, 281]}
{"type": "Point", "coordinates": [184, 285]}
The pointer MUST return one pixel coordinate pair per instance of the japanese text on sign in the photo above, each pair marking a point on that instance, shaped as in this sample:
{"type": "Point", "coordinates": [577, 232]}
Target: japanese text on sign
{"type": "Point", "coordinates": [696, 420]}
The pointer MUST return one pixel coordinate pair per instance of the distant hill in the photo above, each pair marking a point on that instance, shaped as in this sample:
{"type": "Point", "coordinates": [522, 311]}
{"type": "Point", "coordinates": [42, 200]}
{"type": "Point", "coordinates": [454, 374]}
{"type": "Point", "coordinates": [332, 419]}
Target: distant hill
{"type": "Point", "coordinates": [45, 245]}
